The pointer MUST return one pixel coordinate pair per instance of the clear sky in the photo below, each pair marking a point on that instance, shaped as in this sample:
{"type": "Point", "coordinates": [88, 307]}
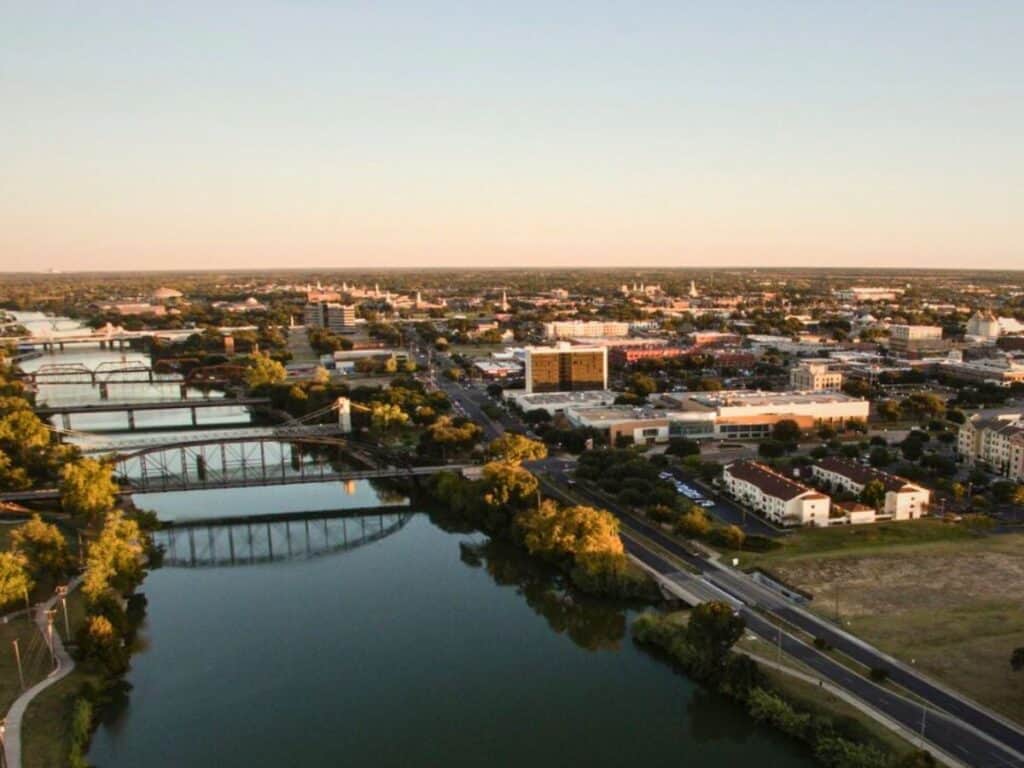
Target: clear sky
{"type": "Point", "coordinates": [350, 134]}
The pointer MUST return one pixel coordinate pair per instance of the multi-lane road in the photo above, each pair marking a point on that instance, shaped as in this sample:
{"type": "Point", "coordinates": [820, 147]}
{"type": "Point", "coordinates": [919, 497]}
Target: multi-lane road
{"type": "Point", "coordinates": [952, 724]}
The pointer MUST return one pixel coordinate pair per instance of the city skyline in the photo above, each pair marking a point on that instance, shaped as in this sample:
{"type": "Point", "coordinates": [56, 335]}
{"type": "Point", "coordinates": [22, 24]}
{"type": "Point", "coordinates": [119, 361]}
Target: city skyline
{"type": "Point", "coordinates": [321, 135]}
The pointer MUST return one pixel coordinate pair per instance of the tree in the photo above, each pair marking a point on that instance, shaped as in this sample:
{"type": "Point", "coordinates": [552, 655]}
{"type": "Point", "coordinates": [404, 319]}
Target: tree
{"type": "Point", "coordinates": [786, 431]}
{"type": "Point", "coordinates": [43, 546]}
{"type": "Point", "coordinates": [681, 446]}
{"type": "Point", "coordinates": [873, 493]}
{"type": "Point", "coordinates": [516, 448]}
{"type": "Point", "coordinates": [87, 489]}
{"type": "Point", "coordinates": [693, 524]}
{"type": "Point", "coordinates": [771, 449]}
{"type": "Point", "coordinates": [321, 376]}
{"type": "Point", "coordinates": [15, 581]}
{"type": "Point", "coordinates": [712, 631]}
{"type": "Point", "coordinates": [879, 457]}
{"type": "Point", "coordinates": [264, 371]}
{"type": "Point", "coordinates": [1017, 659]}
{"type": "Point", "coordinates": [115, 558]}
{"type": "Point", "coordinates": [386, 417]}
{"type": "Point", "coordinates": [730, 536]}
{"type": "Point", "coordinates": [570, 531]}
{"type": "Point", "coordinates": [12, 478]}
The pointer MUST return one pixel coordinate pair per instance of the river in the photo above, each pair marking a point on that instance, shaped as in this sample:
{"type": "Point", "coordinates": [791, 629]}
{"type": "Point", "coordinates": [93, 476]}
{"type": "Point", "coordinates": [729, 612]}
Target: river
{"type": "Point", "coordinates": [423, 648]}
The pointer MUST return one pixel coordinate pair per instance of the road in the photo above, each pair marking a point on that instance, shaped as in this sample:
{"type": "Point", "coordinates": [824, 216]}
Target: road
{"type": "Point", "coordinates": [958, 726]}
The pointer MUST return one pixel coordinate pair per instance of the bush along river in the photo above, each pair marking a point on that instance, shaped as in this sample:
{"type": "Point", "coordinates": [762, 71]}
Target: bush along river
{"type": "Point", "coordinates": [395, 638]}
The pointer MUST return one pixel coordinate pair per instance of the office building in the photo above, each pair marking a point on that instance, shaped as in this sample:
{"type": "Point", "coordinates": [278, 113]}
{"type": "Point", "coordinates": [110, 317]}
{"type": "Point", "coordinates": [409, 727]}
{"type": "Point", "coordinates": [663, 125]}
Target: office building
{"type": "Point", "coordinates": [997, 442]}
{"type": "Point", "coordinates": [584, 329]}
{"type": "Point", "coordinates": [566, 368]}
{"type": "Point", "coordinates": [813, 376]}
{"type": "Point", "coordinates": [337, 318]}
{"type": "Point", "coordinates": [915, 340]}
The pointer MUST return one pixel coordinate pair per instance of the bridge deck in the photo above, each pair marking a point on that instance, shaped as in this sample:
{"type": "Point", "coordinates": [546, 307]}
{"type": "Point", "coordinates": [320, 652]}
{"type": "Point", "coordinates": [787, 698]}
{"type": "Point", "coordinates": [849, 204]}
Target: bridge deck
{"type": "Point", "coordinates": [149, 405]}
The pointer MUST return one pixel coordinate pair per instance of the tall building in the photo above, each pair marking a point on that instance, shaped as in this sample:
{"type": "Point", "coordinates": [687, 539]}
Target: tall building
{"type": "Point", "coordinates": [997, 442]}
{"type": "Point", "coordinates": [566, 368]}
{"type": "Point", "coordinates": [337, 318]}
{"type": "Point", "coordinates": [916, 339]}
{"type": "Point", "coordinates": [813, 376]}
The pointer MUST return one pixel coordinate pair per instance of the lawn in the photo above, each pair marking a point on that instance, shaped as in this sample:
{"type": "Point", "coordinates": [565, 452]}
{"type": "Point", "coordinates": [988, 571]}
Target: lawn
{"type": "Point", "coordinates": [942, 598]}
{"type": "Point", "coordinates": [45, 734]}
{"type": "Point", "coordinates": [35, 658]}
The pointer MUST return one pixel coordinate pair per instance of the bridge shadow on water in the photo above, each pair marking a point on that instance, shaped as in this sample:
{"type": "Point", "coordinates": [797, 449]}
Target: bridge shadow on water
{"type": "Point", "coordinates": [274, 538]}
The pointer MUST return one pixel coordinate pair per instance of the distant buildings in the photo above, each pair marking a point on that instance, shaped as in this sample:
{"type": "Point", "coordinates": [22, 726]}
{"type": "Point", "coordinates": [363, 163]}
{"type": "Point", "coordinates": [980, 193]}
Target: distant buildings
{"type": "Point", "coordinates": [566, 368]}
{"type": "Point", "coordinates": [337, 318]}
{"type": "Point", "coordinates": [868, 293]}
{"type": "Point", "coordinates": [781, 499]}
{"type": "Point", "coordinates": [583, 329]}
{"type": "Point", "coordinates": [559, 403]}
{"type": "Point", "coordinates": [904, 500]}
{"type": "Point", "coordinates": [814, 375]}
{"type": "Point", "coordinates": [1000, 370]}
{"type": "Point", "coordinates": [983, 327]}
{"type": "Point", "coordinates": [997, 442]}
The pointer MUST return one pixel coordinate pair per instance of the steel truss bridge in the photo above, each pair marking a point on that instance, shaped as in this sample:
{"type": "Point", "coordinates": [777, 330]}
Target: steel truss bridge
{"type": "Point", "coordinates": [108, 372]}
{"type": "Point", "coordinates": [273, 538]}
{"type": "Point", "coordinates": [65, 411]}
{"type": "Point", "coordinates": [258, 460]}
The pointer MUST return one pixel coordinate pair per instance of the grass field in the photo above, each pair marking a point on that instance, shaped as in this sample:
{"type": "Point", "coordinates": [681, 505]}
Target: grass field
{"type": "Point", "coordinates": [938, 596]}
{"type": "Point", "coordinates": [35, 658]}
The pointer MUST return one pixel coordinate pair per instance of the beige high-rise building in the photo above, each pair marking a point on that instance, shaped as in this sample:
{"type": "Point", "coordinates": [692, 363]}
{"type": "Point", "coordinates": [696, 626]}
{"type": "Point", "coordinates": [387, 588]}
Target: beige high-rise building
{"type": "Point", "coordinates": [566, 368]}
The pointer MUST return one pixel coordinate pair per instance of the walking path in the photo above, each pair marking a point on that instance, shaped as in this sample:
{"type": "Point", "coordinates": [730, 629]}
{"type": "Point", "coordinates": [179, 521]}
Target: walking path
{"type": "Point", "coordinates": [12, 735]}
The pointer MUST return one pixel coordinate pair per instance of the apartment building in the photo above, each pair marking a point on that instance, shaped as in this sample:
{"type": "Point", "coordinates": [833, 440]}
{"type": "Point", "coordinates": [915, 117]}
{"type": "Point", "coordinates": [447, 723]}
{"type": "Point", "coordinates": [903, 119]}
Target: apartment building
{"type": "Point", "coordinates": [337, 318]}
{"type": "Point", "coordinates": [904, 500]}
{"type": "Point", "coordinates": [997, 442]}
{"type": "Point", "coordinates": [781, 499]}
{"type": "Point", "coordinates": [814, 376]}
{"type": "Point", "coordinates": [566, 368]}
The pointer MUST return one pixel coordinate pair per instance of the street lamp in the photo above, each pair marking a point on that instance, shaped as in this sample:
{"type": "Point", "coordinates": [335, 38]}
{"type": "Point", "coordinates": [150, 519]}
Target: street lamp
{"type": "Point", "coordinates": [62, 593]}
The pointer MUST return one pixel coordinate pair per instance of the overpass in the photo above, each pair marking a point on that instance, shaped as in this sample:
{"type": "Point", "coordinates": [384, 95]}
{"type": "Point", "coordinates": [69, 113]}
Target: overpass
{"type": "Point", "coordinates": [65, 411]}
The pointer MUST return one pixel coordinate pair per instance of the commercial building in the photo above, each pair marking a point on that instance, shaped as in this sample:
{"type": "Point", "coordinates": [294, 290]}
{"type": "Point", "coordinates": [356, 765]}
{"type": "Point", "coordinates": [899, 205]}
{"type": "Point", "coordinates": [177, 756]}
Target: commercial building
{"type": "Point", "coordinates": [997, 442]}
{"type": "Point", "coordinates": [582, 329]}
{"type": "Point", "coordinates": [337, 318]}
{"type": "Point", "coordinates": [858, 293]}
{"type": "Point", "coordinates": [904, 500]}
{"type": "Point", "coordinates": [1003, 371]}
{"type": "Point", "coordinates": [751, 413]}
{"type": "Point", "coordinates": [558, 403]}
{"type": "Point", "coordinates": [779, 498]}
{"type": "Point", "coordinates": [983, 327]}
{"type": "Point", "coordinates": [640, 426]}
{"type": "Point", "coordinates": [914, 340]}
{"type": "Point", "coordinates": [814, 375]}
{"type": "Point", "coordinates": [622, 355]}
{"type": "Point", "coordinates": [566, 368]}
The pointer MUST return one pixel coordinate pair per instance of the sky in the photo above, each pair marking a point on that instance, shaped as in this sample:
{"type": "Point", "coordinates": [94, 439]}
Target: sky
{"type": "Point", "coordinates": [332, 134]}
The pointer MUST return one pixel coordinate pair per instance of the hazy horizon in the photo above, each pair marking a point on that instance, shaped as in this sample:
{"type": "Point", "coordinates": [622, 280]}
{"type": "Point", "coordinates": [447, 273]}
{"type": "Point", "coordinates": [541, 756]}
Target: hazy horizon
{"type": "Point", "coordinates": [320, 135]}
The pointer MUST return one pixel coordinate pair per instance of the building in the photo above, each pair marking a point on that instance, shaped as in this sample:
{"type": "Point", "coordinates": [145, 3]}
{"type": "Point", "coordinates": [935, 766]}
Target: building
{"type": "Point", "coordinates": [983, 327]}
{"type": "Point", "coordinates": [1003, 371]}
{"type": "Point", "coordinates": [583, 329]}
{"type": "Point", "coordinates": [498, 369]}
{"type": "Point", "coordinates": [566, 368]}
{"type": "Point", "coordinates": [337, 318]}
{"type": "Point", "coordinates": [859, 293]}
{"type": "Point", "coordinates": [904, 500]}
{"type": "Point", "coordinates": [916, 339]}
{"type": "Point", "coordinates": [639, 426]}
{"type": "Point", "coordinates": [779, 498]}
{"type": "Point", "coordinates": [997, 442]}
{"type": "Point", "coordinates": [814, 375]}
{"type": "Point", "coordinates": [623, 355]}
{"type": "Point", "coordinates": [558, 403]}
{"type": "Point", "coordinates": [752, 414]}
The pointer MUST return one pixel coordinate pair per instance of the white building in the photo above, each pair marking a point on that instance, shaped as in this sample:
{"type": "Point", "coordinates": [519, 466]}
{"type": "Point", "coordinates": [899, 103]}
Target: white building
{"type": "Point", "coordinates": [858, 293]}
{"type": "Point", "coordinates": [741, 408]}
{"type": "Point", "coordinates": [557, 403]}
{"type": "Point", "coordinates": [780, 499]}
{"type": "Point", "coordinates": [640, 426]}
{"type": "Point", "coordinates": [337, 318]}
{"type": "Point", "coordinates": [983, 327]}
{"type": "Point", "coordinates": [904, 500]}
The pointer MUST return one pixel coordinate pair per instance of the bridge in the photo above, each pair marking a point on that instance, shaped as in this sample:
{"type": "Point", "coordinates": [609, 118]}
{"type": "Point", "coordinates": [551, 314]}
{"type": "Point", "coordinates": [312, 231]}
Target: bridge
{"type": "Point", "coordinates": [247, 461]}
{"type": "Point", "coordinates": [257, 539]}
{"type": "Point", "coordinates": [65, 411]}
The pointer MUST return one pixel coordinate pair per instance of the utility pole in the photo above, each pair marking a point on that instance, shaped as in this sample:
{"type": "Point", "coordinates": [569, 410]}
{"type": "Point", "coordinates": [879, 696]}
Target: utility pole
{"type": "Point", "coordinates": [17, 659]}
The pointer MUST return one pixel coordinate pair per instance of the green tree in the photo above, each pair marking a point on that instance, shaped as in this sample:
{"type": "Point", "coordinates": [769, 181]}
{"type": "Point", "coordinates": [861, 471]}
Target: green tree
{"type": "Point", "coordinates": [43, 545]}
{"type": "Point", "coordinates": [1017, 659]}
{"type": "Point", "coordinates": [680, 446]}
{"type": "Point", "coordinates": [516, 448]}
{"type": "Point", "coordinates": [573, 531]}
{"type": "Point", "coordinates": [264, 371]}
{"type": "Point", "coordinates": [693, 524]}
{"type": "Point", "coordinates": [873, 493]}
{"type": "Point", "coordinates": [12, 478]}
{"type": "Point", "coordinates": [786, 431]}
{"type": "Point", "coordinates": [87, 489]}
{"type": "Point", "coordinates": [712, 631]}
{"type": "Point", "coordinates": [15, 581]}
{"type": "Point", "coordinates": [115, 558]}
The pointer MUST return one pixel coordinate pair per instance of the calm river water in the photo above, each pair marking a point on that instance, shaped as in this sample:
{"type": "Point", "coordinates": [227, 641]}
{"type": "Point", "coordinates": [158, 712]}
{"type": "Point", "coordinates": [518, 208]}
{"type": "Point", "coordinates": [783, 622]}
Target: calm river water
{"type": "Point", "coordinates": [423, 648]}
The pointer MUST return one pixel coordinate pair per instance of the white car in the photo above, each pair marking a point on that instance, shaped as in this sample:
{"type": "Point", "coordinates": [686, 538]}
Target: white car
{"type": "Point", "coordinates": [707, 504]}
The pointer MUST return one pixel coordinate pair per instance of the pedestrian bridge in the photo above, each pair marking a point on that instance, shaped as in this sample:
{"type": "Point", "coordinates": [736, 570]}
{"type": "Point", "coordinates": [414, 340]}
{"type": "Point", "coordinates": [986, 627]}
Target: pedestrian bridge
{"type": "Point", "coordinates": [260, 539]}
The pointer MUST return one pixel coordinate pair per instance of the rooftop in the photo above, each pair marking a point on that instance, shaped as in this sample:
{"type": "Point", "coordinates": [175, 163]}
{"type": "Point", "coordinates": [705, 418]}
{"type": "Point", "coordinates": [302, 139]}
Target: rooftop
{"type": "Point", "coordinates": [770, 481]}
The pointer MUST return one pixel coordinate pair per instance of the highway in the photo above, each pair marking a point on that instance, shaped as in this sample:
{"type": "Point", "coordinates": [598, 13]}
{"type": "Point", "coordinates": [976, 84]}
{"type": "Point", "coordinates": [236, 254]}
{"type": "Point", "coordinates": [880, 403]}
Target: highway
{"type": "Point", "coordinates": [957, 726]}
